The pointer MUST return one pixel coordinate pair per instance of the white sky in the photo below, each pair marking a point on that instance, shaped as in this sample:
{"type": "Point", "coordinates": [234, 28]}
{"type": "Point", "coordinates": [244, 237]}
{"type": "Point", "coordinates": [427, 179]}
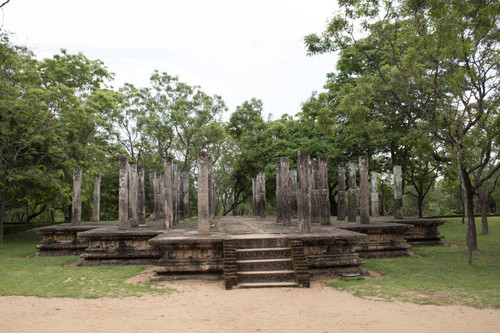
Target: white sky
{"type": "Point", "coordinates": [235, 49]}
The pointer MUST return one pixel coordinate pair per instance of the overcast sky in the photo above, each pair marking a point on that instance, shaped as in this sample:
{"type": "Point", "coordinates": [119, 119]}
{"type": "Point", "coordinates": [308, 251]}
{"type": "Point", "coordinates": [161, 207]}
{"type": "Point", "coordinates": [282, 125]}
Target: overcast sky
{"type": "Point", "coordinates": [235, 49]}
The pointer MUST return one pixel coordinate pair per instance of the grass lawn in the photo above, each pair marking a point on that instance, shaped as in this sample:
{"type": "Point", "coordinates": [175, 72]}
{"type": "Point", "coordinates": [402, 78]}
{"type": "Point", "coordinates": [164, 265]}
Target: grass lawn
{"type": "Point", "coordinates": [440, 275]}
{"type": "Point", "coordinates": [58, 277]}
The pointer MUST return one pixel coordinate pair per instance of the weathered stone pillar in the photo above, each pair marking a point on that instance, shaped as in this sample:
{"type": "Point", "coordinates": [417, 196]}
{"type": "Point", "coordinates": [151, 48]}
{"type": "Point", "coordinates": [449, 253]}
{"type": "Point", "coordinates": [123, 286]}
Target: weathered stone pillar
{"type": "Point", "coordinates": [168, 205]}
{"type": "Point", "coordinates": [123, 195]}
{"type": "Point", "coordinates": [181, 197]}
{"type": "Point", "coordinates": [152, 195]}
{"type": "Point", "coordinates": [160, 195]}
{"type": "Point", "coordinates": [364, 191]}
{"type": "Point", "coordinates": [76, 202]}
{"type": "Point", "coordinates": [315, 189]}
{"type": "Point", "coordinates": [211, 192]}
{"type": "Point", "coordinates": [141, 196]}
{"type": "Point", "coordinates": [304, 191]}
{"type": "Point", "coordinates": [185, 194]}
{"type": "Point", "coordinates": [132, 194]}
{"type": "Point", "coordinates": [254, 197]}
{"type": "Point", "coordinates": [96, 199]}
{"type": "Point", "coordinates": [398, 192]}
{"type": "Point", "coordinates": [283, 192]}
{"type": "Point", "coordinates": [374, 195]}
{"type": "Point", "coordinates": [261, 194]}
{"type": "Point", "coordinates": [341, 194]}
{"type": "Point", "coordinates": [292, 183]}
{"type": "Point", "coordinates": [323, 193]}
{"type": "Point", "coordinates": [279, 198]}
{"type": "Point", "coordinates": [203, 194]}
{"type": "Point", "coordinates": [176, 193]}
{"type": "Point", "coordinates": [351, 193]}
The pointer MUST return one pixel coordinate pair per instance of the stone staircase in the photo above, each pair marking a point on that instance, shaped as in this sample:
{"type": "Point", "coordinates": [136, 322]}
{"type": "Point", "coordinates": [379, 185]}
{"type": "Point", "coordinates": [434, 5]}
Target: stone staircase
{"type": "Point", "coordinates": [264, 262]}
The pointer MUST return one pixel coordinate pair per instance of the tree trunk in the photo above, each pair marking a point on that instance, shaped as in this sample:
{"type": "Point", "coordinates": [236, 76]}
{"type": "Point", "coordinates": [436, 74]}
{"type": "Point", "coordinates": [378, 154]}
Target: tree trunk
{"type": "Point", "coordinates": [483, 197]}
{"type": "Point", "coordinates": [420, 204]}
{"type": "Point", "coordinates": [470, 226]}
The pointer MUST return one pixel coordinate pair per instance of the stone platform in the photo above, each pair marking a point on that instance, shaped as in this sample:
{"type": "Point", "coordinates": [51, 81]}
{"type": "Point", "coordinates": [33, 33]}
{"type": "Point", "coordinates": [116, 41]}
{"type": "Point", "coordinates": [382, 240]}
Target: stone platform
{"type": "Point", "coordinates": [62, 239]}
{"type": "Point", "coordinates": [245, 251]}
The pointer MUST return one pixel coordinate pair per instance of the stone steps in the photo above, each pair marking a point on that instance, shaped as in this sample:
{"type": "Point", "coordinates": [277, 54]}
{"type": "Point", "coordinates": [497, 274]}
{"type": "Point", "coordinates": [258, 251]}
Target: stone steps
{"type": "Point", "coordinates": [265, 264]}
{"type": "Point", "coordinates": [269, 285]}
{"type": "Point", "coordinates": [254, 261]}
{"type": "Point", "coordinates": [262, 253]}
{"type": "Point", "coordinates": [266, 276]}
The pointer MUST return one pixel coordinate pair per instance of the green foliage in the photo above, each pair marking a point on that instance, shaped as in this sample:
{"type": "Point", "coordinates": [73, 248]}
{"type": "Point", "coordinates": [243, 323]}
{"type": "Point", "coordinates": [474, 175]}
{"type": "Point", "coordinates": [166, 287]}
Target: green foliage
{"type": "Point", "coordinates": [440, 275]}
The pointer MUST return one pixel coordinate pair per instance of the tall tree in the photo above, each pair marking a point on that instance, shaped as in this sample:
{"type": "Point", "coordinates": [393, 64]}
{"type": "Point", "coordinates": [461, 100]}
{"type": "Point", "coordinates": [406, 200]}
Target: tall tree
{"type": "Point", "coordinates": [438, 62]}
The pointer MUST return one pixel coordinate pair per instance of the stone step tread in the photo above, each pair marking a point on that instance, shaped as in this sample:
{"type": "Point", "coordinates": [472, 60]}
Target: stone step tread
{"type": "Point", "coordinates": [284, 271]}
{"type": "Point", "coordinates": [257, 261]}
{"type": "Point", "coordinates": [267, 284]}
{"type": "Point", "coordinates": [258, 249]}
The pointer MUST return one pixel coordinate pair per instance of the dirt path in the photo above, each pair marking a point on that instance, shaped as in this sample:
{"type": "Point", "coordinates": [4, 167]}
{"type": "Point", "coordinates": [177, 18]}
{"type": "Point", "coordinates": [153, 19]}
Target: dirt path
{"type": "Point", "coordinates": [207, 307]}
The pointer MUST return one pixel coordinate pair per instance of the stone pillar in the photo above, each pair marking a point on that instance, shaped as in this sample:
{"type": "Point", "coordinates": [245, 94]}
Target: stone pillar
{"type": "Point", "coordinates": [152, 195]}
{"type": "Point", "coordinates": [364, 191]}
{"type": "Point", "coordinates": [176, 193]}
{"type": "Point", "coordinates": [341, 194]}
{"type": "Point", "coordinates": [181, 196]}
{"type": "Point", "coordinates": [323, 193]}
{"type": "Point", "coordinates": [141, 196]}
{"type": "Point", "coordinates": [374, 195]}
{"type": "Point", "coordinates": [168, 206]}
{"type": "Point", "coordinates": [76, 203]}
{"type": "Point", "coordinates": [203, 194]}
{"type": "Point", "coordinates": [304, 191]}
{"type": "Point", "coordinates": [283, 192]}
{"type": "Point", "coordinates": [398, 192]}
{"type": "Point", "coordinates": [185, 194]}
{"type": "Point", "coordinates": [261, 194]}
{"type": "Point", "coordinates": [315, 188]}
{"type": "Point", "coordinates": [254, 197]}
{"type": "Point", "coordinates": [211, 192]}
{"type": "Point", "coordinates": [123, 195]}
{"type": "Point", "coordinates": [292, 183]}
{"type": "Point", "coordinates": [279, 198]}
{"type": "Point", "coordinates": [96, 199]}
{"type": "Point", "coordinates": [132, 194]}
{"type": "Point", "coordinates": [351, 193]}
{"type": "Point", "coordinates": [160, 195]}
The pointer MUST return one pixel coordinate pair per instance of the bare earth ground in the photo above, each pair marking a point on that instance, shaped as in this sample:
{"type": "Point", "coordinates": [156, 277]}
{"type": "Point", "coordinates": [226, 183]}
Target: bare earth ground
{"type": "Point", "coordinates": [205, 306]}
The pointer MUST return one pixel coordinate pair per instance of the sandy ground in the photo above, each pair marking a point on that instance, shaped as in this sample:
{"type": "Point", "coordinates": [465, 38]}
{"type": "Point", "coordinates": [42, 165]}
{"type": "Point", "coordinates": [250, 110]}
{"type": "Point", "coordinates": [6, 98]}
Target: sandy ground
{"type": "Point", "coordinates": [205, 306]}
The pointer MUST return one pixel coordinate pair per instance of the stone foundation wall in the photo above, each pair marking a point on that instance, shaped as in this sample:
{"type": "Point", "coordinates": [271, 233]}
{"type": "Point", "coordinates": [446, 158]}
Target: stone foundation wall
{"type": "Point", "coordinates": [110, 246]}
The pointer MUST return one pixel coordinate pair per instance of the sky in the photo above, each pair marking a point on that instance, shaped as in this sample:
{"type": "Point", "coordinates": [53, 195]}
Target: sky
{"type": "Point", "coordinates": [236, 49]}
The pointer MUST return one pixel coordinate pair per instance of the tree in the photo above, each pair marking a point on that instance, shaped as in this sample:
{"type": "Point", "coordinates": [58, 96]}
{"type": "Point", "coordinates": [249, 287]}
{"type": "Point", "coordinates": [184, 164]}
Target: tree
{"type": "Point", "coordinates": [26, 124]}
{"type": "Point", "coordinates": [437, 61]}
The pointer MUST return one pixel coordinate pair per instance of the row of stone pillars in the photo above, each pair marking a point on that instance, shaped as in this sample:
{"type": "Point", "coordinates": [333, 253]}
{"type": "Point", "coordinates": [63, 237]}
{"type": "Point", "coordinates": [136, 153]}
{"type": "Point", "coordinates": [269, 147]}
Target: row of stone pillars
{"type": "Point", "coordinates": [132, 197]}
{"type": "Point", "coordinates": [169, 194]}
{"type": "Point", "coordinates": [76, 203]}
{"type": "Point", "coordinates": [364, 195]}
{"type": "Point", "coordinates": [314, 204]}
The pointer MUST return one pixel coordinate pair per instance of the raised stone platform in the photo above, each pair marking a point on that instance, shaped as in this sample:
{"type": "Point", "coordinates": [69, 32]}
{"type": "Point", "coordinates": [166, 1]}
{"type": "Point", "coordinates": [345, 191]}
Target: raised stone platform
{"type": "Point", "coordinates": [326, 248]}
{"type": "Point", "coordinates": [424, 232]}
{"type": "Point", "coordinates": [383, 239]}
{"type": "Point", "coordinates": [111, 246]}
{"type": "Point", "coordinates": [62, 239]}
{"type": "Point", "coordinates": [238, 245]}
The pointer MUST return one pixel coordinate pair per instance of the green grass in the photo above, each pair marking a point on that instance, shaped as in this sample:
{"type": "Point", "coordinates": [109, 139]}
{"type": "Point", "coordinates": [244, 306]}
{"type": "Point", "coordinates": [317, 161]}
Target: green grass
{"type": "Point", "coordinates": [440, 275]}
{"type": "Point", "coordinates": [58, 277]}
